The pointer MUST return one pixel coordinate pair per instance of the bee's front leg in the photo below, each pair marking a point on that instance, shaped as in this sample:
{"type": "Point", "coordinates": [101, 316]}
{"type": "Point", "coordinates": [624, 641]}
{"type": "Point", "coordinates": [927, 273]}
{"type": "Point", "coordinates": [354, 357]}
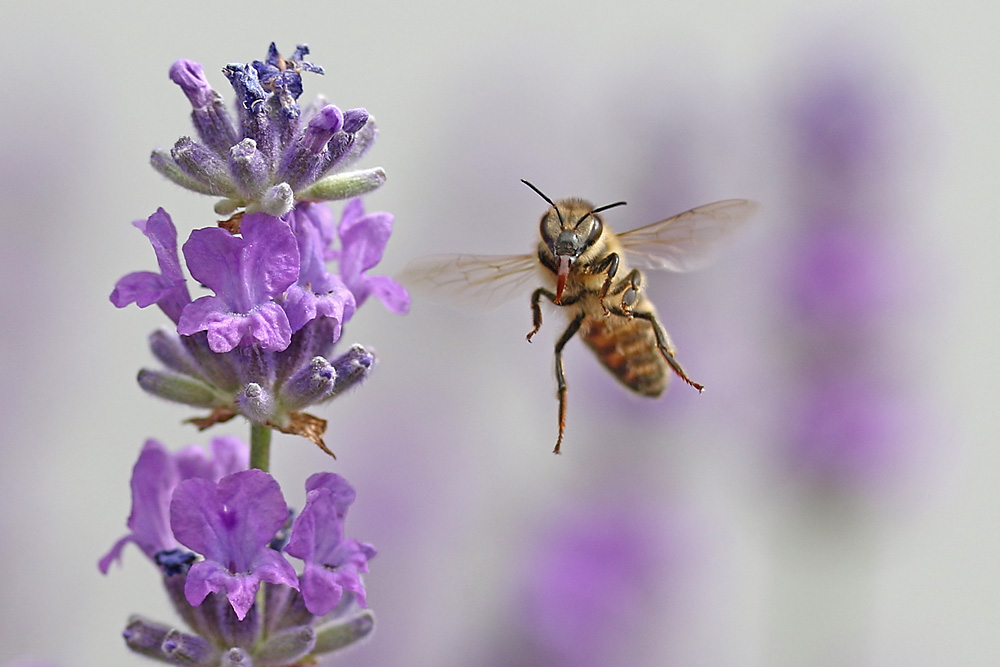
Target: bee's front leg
{"type": "Point", "coordinates": [536, 309]}
{"type": "Point", "coordinates": [571, 330]}
{"type": "Point", "coordinates": [610, 265]}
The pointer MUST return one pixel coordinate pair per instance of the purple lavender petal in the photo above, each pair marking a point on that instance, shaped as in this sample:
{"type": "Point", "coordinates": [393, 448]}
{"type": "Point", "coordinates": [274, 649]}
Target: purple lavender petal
{"type": "Point", "coordinates": [363, 240]}
{"type": "Point", "coordinates": [247, 86]}
{"type": "Point", "coordinates": [153, 480]}
{"type": "Point", "coordinates": [245, 274]}
{"type": "Point", "coordinates": [317, 293]}
{"type": "Point", "coordinates": [392, 295]}
{"type": "Point", "coordinates": [168, 289]}
{"type": "Point", "coordinates": [332, 564]}
{"type": "Point", "coordinates": [354, 120]}
{"type": "Point", "coordinates": [229, 455]}
{"type": "Point", "coordinates": [155, 476]}
{"type": "Point", "coordinates": [190, 76]}
{"type": "Point", "coordinates": [364, 235]}
{"type": "Point", "coordinates": [231, 523]}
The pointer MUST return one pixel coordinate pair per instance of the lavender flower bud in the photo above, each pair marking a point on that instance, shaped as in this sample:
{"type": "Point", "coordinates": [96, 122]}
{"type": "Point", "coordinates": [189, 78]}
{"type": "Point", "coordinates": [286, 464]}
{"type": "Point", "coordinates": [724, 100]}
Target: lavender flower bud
{"type": "Point", "coordinates": [352, 368]}
{"type": "Point", "coordinates": [249, 168]}
{"type": "Point", "coordinates": [287, 646]}
{"type": "Point", "coordinates": [182, 648]}
{"type": "Point", "coordinates": [337, 635]}
{"type": "Point", "coordinates": [144, 636]}
{"type": "Point", "coordinates": [255, 403]}
{"type": "Point", "coordinates": [278, 200]}
{"type": "Point", "coordinates": [355, 119]}
{"type": "Point", "coordinates": [190, 76]}
{"type": "Point", "coordinates": [178, 388]}
{"type": "Point", "coordinates": [344, 185]}
{"type": "Point", "coordinates": [303, 161]}
{"type": "Point", "coordinates": [247, 86]}
{"type": "Point", "coordinates": [311, 384]}
{"type": "Point", "coordinates": [163, 163]}
{"type": "Point", "coordinates": [236, 657]}
{"type": "Point", "coordinates": [201, 164]}
{"type": "Point", "coordinates": [167, 347]}
{"type": "Point", "coordinates": [322, 126]}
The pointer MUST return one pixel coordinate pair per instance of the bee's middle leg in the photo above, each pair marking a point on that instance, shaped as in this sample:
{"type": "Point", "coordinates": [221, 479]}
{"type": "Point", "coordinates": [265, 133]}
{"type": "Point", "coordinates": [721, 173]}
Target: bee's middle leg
{"type": "Point", "coordinates": [628, 287]}
{"type": "Point", "coordinates": [571, 330]}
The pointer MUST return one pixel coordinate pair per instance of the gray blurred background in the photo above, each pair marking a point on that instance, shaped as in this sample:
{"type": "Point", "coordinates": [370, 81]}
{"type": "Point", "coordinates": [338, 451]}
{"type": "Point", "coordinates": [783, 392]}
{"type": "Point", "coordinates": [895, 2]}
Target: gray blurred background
{"type": "Point", "coordinates": [832, 499]}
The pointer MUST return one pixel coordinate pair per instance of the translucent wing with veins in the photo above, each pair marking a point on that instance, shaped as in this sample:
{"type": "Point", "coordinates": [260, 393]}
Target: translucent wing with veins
{"type": "Point", "coordinates": [685, 242]}
{"type": "Point", "coordinates": [484, 280]}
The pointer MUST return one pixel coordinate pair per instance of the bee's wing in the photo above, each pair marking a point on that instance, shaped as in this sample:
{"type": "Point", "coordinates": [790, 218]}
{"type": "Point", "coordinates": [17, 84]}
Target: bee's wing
{"type": "Point", "coordinates": [483, 280]}
{"type": "Point", "coordinates": [685, 241]}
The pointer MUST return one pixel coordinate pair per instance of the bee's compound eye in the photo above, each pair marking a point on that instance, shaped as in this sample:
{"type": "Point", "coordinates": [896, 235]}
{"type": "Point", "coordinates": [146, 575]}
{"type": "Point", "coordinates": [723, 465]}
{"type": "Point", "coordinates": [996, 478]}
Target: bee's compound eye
{"type": "Point", "coordinates": [595, 230]}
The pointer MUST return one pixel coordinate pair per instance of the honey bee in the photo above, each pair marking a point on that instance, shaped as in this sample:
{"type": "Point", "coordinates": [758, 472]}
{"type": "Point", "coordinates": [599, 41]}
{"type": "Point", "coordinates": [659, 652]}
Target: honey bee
{"type": "Point", "coordinates": [590, 271]}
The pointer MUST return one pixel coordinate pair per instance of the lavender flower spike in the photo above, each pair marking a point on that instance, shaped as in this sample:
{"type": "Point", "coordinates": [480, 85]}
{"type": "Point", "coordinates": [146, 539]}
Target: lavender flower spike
{"type": "Point", "coordinates": [231, 524]}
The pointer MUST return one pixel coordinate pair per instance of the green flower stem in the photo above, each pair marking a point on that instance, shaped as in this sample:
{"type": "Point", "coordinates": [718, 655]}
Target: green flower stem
{"type": "Point", "coordinates": [260, 447]}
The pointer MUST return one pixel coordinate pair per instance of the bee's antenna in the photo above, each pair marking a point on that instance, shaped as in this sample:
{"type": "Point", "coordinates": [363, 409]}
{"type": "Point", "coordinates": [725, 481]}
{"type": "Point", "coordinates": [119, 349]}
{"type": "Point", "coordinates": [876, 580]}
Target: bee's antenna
{"type": "Point", "coordinates": [599, 209]}
{"type": "Point", "coordinates": [543, 196]}
{"type": "Point", "coordinates": [607, 206]}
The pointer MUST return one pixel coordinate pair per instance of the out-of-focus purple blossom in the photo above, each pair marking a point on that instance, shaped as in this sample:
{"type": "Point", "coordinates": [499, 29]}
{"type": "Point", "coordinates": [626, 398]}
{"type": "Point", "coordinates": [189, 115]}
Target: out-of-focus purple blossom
{"type": "Point", "coordinates": [848, 417]}
{"type": "Point", "coordinates": [246, 273]}
{"type": "Point", "coordinates": [168, 288]}
{"type": "Point", "coordinates": [844, 278]}
{"type": "Point", "coordinates": [332, 564]}
{"type": "Point", "coordinates": [849, 428]}
{"type": "Point", "coordinates": [592, 578]}
{"type": "Point", "coordinates": [274, 155]}
{"type": "Point", "coordinates": [155, 476]}
{"type": "Point", "coordinates": [231, 523]}
{"type": "Point", "coordinates": [363, 239]}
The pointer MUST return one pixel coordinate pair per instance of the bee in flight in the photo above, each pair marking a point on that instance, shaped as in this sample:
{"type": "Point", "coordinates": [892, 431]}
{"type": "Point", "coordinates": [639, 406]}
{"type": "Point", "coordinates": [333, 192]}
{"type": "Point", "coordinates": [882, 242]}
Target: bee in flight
{"type": "Point", "coordinates": [592, 273]}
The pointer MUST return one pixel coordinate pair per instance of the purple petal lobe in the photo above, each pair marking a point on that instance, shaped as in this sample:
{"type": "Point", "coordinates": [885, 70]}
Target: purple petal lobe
{"type": "Point", "coordinates": [190, 76]}
{"type": "Point", "coordinates": [332, 564]}
{"type": "Point", "coordinates": [155, 476]}
{"type": "Point", "coordinates": [231, 523]}
{"type": "Point", "coordinates": [363, 239]}
{"type": "Point", "coordinates": [245, 274]}
{"type": "Point", "coordinates": [168, 288]}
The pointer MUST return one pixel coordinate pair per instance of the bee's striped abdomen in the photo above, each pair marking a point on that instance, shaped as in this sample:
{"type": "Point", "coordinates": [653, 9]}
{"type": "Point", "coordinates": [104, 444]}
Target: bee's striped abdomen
{"type": "Point", "coordinates": [627, 348]}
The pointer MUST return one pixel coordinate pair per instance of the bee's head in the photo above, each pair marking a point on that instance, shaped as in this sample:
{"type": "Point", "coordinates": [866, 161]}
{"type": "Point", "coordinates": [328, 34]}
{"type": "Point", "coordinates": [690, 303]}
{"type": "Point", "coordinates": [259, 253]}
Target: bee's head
{"type": "Point", "coordinates": [568, 230]}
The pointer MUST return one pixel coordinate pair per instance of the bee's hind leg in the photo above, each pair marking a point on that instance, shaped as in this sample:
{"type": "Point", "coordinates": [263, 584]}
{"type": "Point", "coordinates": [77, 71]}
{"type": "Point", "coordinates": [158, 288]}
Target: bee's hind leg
{"type": "Point", "coordinates": [571, 330]}
{"type": "Point", "coordinates": [667, 350]}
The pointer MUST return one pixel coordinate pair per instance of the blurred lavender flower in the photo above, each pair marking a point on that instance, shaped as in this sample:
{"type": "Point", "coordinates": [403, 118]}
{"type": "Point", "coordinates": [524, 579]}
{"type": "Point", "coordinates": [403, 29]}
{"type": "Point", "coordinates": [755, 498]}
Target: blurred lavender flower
{"type": "Point", "coordinates": [229, 517]}
{"type": "Point", "coordinates": [594, 577]}
{"type": "Point", "coordinates": [850, 419]}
